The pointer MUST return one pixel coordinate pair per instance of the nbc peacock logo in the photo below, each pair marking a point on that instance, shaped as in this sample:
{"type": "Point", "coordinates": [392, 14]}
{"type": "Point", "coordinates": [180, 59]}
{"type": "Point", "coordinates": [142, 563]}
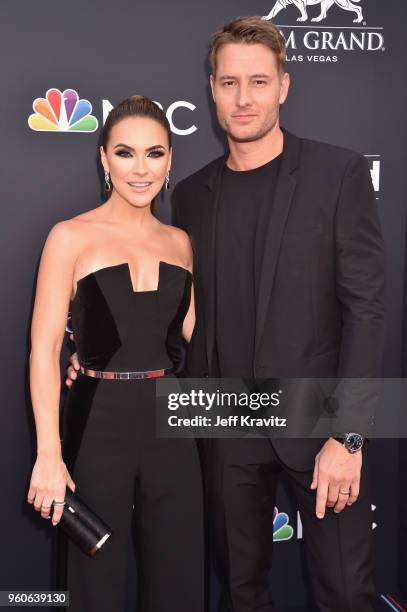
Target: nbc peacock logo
{"type": "Point", "coordinates": [281, 529]}
{"type": "Point", "coordinates": [62, 112]}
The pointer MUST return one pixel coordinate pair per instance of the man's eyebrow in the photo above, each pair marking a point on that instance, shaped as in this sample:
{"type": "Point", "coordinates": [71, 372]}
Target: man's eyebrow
{"type": "Point", "coordinates": [252, 76]}
{"type": "Point", "coordinates": [121, 144]}
{"type": "Point", "coordinates": [260, 76]}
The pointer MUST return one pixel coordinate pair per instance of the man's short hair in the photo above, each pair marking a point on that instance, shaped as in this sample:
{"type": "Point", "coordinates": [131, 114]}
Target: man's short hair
{"type": "Point", "coordinates": [249, 30]}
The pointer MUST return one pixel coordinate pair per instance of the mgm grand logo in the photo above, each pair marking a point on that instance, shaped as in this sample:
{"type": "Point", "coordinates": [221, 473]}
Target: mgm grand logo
{"type": "Point", "coordinates": [346, 5]}
{"type": "Point", "coordinates": [309, 41]}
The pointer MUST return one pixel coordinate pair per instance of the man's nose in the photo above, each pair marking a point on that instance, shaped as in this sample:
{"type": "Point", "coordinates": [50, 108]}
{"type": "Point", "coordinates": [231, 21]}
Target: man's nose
{"type": "Point", "coordinates": [243, 95]}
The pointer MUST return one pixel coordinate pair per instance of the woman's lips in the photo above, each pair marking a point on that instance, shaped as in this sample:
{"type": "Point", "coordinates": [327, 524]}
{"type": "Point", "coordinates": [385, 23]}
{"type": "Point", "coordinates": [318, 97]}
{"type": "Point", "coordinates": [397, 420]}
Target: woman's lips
{"type": "Point", "coordinates": [140, 186]}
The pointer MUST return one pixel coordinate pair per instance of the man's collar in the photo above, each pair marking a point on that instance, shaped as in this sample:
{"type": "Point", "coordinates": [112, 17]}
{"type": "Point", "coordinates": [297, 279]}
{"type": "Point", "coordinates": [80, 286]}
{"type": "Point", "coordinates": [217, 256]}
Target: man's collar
{"type": "Point", "coordinates": [289, 162]}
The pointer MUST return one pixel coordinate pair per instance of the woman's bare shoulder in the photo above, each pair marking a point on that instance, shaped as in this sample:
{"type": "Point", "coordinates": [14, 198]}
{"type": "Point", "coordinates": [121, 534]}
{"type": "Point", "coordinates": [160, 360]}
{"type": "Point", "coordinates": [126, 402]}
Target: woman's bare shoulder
{"type": "Point", "coordinates": [73, 229]}
{"type": "Point", "coordinates": [181, 242]}
{"type": "Point", "coordinates": [179, 236]}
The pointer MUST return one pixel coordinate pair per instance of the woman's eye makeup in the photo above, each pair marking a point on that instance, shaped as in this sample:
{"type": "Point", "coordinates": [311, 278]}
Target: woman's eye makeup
{"type": "Point", "coordinates": [156, 153]}
{"type": "Point", "coordinates": [123, 153]}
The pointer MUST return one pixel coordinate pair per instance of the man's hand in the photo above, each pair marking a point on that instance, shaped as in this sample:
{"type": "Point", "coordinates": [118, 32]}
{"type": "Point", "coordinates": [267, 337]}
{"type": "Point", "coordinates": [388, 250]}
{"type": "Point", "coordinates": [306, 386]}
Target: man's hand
{"type": "Point", "coordinates": [73, 368]}
{"type": "Point", "coordinates": [336, 477]}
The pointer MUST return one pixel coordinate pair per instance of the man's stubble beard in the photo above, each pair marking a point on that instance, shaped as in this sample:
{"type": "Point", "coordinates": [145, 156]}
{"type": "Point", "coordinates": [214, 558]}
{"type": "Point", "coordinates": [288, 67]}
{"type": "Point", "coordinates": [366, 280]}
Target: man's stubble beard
{"type": "Point", "coordinates": [261, 132]}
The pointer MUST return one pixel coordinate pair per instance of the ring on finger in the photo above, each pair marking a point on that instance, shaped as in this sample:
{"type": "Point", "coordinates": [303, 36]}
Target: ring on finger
{"type": "Point", "coordinates": [345, 492]}
{"type": "Point", "coordinates": [59, 503]}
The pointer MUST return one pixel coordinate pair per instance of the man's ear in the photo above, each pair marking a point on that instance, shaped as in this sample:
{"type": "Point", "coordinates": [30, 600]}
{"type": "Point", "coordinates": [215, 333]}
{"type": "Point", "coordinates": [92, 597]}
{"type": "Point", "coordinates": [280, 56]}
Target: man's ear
{"type": "Point", "coordinates": [212, 84]}
{"type": "Point", "coordinates": [285, 85]}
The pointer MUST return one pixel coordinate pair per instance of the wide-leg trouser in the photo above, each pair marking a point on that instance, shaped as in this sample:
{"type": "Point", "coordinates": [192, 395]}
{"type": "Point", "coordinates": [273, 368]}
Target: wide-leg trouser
{"type": "Point", "coordinates": [118, 463]}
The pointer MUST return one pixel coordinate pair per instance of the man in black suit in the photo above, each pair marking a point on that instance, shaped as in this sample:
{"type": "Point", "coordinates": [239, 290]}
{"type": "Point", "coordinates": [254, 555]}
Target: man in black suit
{"type": "Point", "coordinates": [288, 277]}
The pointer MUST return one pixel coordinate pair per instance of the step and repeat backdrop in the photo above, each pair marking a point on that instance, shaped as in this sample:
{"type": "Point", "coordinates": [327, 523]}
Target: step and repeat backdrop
{"type": "Point", "coordinates": [63, 67]}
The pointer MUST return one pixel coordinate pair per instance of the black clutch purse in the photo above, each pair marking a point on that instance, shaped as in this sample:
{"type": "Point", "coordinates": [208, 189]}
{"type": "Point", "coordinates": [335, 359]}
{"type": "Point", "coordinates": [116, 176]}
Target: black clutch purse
{"type": "Point", "coordinates": [82, 525]}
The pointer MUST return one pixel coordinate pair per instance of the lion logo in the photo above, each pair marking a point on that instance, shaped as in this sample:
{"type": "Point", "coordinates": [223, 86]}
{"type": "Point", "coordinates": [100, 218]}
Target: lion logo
{"type": "Point", "coordinates": [346, 5]}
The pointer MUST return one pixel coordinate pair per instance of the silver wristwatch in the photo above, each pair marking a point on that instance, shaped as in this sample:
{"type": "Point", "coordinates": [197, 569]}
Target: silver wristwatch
{"type": "Point", "coordinates": [353, 442]}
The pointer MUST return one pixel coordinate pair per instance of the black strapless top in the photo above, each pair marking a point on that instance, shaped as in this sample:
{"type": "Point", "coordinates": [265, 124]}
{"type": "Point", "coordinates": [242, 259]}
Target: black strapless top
{"type": "Point", "coordinates": [118, 329]}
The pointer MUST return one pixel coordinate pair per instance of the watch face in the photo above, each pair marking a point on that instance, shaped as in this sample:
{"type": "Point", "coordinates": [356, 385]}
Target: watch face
{"type": "Point", "coordinates": [353, 442]}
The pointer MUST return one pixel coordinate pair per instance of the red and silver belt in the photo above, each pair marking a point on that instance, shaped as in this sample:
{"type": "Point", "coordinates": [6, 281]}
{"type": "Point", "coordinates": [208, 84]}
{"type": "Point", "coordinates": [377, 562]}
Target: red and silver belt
{"type": "Point", "coordinates": [125, 375]}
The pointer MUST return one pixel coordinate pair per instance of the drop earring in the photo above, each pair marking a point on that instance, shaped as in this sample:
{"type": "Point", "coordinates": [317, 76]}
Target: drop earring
{"type": "Point", "coordinates": [108, 184]}
{"type": "Point", "coordinates": [167, 180]}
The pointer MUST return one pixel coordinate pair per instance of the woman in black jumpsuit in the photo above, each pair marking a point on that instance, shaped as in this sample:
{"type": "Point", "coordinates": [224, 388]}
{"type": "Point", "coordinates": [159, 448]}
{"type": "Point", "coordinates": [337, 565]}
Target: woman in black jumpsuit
{"type": "Point", "coordinates": [125, 339]}
{"type": "Point", "coordinates": [112, 453]}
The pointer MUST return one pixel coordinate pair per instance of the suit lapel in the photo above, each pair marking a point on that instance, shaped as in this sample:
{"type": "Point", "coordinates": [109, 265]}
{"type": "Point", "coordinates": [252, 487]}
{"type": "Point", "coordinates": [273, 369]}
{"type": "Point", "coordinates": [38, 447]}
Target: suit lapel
{"type": "Point", "coordinates": [283, 197]}
{"type": "Point", "coordinates": [213, 185]}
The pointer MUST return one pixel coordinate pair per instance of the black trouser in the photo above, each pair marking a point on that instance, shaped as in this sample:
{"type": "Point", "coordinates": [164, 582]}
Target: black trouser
{"type": "Point", "coordinates": [121, 463]}
{"type": "Point", "coordinates": [241, 478]}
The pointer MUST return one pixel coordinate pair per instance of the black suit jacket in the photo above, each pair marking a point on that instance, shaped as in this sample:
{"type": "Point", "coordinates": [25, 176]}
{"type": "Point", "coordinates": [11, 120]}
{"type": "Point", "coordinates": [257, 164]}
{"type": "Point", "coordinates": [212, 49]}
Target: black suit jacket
{"type": "Point", "coordinates": [320, 311]}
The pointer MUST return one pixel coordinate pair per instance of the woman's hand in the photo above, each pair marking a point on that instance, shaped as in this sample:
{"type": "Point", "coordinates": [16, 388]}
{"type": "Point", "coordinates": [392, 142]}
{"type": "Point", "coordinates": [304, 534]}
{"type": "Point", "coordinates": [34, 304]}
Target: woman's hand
{"type": "Point", "coordinates": [49, 480]}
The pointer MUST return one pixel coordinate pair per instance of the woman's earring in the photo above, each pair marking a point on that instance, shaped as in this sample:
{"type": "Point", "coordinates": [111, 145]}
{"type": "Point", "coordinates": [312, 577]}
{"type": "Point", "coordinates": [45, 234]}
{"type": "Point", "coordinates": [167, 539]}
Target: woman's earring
{"type": "Point", "coordinates": [167, 180]}
{"type": "Point", "coordinates": [108, 184]}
